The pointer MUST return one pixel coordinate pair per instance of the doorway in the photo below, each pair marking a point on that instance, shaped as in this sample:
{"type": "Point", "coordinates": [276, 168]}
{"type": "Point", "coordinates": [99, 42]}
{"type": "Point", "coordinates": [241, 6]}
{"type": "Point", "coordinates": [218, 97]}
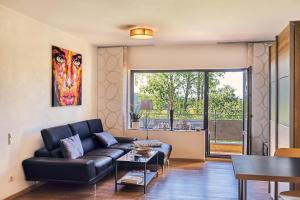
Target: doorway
{"type": "Point", "coordinates": [227, 112]}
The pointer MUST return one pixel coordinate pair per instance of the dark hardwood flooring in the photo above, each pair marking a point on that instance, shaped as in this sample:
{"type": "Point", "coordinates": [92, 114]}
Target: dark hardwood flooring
{"type": "Point", "coordinates": [183, 180]}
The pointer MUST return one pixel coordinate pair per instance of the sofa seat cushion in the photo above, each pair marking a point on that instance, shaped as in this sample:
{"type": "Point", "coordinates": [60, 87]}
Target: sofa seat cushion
{"type": "Point", "coordinates": [113, 153]}
{"type": "Point", "coordinates": [101, 162]}
{"type": "Point", "coordinates": [123, 146]}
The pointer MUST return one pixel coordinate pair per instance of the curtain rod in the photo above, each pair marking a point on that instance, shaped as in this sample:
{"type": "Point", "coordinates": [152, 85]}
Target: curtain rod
{"type": "Point", "coordinates": [236, 42]}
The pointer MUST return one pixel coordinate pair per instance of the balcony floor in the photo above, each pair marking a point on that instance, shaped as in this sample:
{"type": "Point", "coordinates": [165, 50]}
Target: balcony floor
{"type": "Point", "coordinates": [226, 148]}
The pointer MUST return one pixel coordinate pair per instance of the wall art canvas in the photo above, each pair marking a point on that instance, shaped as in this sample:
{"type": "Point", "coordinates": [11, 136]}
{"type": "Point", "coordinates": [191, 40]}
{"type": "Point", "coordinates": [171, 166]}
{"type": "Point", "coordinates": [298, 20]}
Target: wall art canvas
{"type": "Point", "coordinates": [66, 77]}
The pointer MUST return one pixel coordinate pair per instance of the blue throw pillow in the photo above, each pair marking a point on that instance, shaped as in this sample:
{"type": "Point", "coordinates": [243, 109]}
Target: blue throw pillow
{"type": "Point", "coordinates": [71, 147]}
{"type": "Point", "coordinates": [106, 139]}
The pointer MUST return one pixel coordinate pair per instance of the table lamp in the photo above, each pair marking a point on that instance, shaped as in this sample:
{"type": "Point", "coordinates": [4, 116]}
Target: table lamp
{"type": "Point", "coordinates": [147, 105]}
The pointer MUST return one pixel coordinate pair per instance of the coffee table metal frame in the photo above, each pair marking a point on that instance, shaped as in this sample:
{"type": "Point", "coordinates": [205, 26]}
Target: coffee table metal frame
{"type": "Point", "coordinates": [131, 159]}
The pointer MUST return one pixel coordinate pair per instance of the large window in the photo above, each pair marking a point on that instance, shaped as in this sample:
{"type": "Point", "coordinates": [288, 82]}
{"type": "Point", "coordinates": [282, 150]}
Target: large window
{"type": "Point", "coordinates": [187, 100]}
{"type": "Point", "coordinates": [177, 98]}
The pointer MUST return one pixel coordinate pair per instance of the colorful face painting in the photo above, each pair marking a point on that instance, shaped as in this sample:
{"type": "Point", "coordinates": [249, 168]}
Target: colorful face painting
{"type": "Point", "coordinates": [66, 77]}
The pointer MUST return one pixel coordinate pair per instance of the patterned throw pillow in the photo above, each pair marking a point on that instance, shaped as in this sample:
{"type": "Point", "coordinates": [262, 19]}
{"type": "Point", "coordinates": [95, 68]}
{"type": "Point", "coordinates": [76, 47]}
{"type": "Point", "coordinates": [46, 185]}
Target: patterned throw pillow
{"type": "Point", "coordinates": [71, 147]}
{"type": "Point", "coordinates": [106, 139]}
{"type": "Point", "coordinates": [147, 143]}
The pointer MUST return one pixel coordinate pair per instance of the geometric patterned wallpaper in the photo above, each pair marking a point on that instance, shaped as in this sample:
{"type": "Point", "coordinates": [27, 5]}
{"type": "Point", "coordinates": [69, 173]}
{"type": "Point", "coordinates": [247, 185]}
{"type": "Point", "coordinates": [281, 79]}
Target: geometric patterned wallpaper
{"type": "Point", "coordinates": [258, 58]}
{"type": "Point", "coordinates": [112, 70]}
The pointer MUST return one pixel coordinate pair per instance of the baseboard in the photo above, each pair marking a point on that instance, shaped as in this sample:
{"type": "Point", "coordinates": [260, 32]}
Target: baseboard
{"type": "Point", "coordinates": [26, 190]}
{"type": "Point", "coordinates": [218, 159]}
{"type": "Point", "coordinates": [187, 159]}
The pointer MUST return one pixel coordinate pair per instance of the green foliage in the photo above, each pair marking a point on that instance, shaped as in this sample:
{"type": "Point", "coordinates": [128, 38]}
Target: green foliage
{"type": "Point", "coordinates": [135, 117]}
{"type": "Point", "coordinates": [224, 104]}
{"type": "Point", "coordinates": [184, 93]}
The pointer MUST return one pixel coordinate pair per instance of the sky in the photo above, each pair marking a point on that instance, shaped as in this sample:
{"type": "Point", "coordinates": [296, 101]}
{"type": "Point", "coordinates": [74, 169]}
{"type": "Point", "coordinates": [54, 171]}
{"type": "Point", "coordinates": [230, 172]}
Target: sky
{"type": "Point", "coordinates": [235, 80]}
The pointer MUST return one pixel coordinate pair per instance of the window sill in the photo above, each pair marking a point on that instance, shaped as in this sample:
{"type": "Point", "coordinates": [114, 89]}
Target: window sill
{"type": "Point", "coordinates": [162, 130]}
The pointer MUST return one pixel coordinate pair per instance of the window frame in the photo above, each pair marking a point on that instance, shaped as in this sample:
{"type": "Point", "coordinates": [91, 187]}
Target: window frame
{"type": "Point", "coordinates": [206, 88]}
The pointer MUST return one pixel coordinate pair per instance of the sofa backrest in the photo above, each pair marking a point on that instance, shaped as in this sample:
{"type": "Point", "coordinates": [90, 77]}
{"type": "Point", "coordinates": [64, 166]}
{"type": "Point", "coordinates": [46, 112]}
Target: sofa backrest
{"type": "Point", "coordinates": [95, 125]}
{"type": "Point", "coordinates": [52, 136]}
{"type": "Point", "coordinates": [81, 128]}
{"type": "Point", "coordinates": [86, 136]}
{"type": "Point", "coordinates": [85, 130]}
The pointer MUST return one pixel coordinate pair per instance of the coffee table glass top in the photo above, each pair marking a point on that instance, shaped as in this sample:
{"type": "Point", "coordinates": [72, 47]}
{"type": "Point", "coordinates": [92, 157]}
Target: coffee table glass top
{"type": "Point", "coordinates": [133, 157]}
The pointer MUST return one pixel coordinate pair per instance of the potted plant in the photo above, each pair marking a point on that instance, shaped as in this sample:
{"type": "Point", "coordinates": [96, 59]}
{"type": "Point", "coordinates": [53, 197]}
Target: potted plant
{"type": "Point", "coordinates": [135, 120]}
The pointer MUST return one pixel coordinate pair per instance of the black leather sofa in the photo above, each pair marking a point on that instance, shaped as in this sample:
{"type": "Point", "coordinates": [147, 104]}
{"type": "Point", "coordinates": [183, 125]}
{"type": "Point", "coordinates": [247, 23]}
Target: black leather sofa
{"type": "Point", "coordinates": [48, 163]}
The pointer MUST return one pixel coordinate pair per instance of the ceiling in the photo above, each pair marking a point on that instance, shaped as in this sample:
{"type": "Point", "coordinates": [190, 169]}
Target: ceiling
{"type": "Point", "coordinates": [106, 22]}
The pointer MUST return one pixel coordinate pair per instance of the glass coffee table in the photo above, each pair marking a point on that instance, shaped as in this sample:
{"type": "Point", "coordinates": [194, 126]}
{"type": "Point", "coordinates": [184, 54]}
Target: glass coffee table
{"type": "Point", "coordinates": [136, 177]}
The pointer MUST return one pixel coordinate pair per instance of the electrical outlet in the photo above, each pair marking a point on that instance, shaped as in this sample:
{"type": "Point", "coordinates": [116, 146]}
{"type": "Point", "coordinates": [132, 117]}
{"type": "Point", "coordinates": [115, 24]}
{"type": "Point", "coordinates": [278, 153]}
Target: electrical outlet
{"type": "Point", "coordinates": [11, 179]}
{"type": "Point", "coordinates": [9, 138]}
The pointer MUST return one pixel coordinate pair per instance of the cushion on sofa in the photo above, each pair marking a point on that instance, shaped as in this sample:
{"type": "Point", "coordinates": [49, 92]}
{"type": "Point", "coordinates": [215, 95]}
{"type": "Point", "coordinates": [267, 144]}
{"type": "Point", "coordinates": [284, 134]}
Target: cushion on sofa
{"type": "Point", "coordinates": [123, 146]}
{"type": "Point", "coordinates": [52, 136]}
{"type": "Point", "coordinates": [95, 125]}
{"type": "Point", "coordinates": [113, 153]}
{"type": "Point", "coordinates": [71, 147]}
{"type": "Point", "coordinates": [80, 128]}
{"type": "Point", "coordinates": [106, 139]}
{"type": "Point", "coordinates": [101, 162]}
{"type": "Point", "coordinates": [126, 139]}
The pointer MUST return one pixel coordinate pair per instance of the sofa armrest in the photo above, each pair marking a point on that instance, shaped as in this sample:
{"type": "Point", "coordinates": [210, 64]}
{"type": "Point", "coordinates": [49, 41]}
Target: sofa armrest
{"type": "Point", "coordinates": [125, 139]}
{"type": "Point", "coordinates": [59, 169]}
{"type": "Point", "coordinates": [42, 152]}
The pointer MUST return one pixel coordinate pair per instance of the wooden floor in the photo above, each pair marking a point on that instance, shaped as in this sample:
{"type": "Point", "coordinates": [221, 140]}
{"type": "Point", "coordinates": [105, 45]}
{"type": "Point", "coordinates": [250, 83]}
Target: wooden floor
{"type": "Point", "coordinates": [183, 180]}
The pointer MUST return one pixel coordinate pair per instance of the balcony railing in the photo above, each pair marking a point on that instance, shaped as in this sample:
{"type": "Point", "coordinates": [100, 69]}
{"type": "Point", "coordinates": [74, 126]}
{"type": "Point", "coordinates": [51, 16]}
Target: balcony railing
{"type": "Point", "coordinates": [221, 126]}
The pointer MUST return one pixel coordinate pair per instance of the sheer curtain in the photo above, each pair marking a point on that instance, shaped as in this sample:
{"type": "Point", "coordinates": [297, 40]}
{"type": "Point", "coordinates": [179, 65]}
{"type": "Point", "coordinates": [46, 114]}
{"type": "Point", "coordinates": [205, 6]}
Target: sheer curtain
{"type": "Point", "coordinates": [112, 75]}
{"type": "Point", "coordinates": [258, 58]}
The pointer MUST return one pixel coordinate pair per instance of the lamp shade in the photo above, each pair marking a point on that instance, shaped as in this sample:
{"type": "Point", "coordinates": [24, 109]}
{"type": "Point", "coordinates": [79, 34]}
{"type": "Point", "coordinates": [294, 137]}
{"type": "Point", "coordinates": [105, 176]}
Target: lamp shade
{"type": "Point", "coordinates": [146, 105]}
{"type": "Point", "coordinates": [141, 33]}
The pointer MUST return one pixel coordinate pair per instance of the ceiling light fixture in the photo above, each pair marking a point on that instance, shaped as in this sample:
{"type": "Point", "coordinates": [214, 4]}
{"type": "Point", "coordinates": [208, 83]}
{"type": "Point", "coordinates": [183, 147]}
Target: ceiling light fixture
{"type": "Point", "coordinates": [141, 33]}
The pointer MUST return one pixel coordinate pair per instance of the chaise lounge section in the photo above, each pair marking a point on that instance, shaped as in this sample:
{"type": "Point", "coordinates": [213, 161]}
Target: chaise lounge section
{"type": "Point", "coordinates": [48, 163]}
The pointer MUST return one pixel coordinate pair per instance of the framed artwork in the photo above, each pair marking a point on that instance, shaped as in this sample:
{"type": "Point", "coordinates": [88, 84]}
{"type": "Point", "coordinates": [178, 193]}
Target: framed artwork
{"type": "Point", "coordinates": [66, 77]}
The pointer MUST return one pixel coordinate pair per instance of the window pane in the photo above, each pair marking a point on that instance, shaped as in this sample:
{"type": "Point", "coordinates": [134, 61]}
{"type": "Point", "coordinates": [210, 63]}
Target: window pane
{"type": "Point", "coordinates": [273, 101]}
{"type": "Point", "coordinates": [225, 107]}
{"type": "Point", "coordinates": [283, 101]}
{"type": "Point", "coordinates": [179, 92]}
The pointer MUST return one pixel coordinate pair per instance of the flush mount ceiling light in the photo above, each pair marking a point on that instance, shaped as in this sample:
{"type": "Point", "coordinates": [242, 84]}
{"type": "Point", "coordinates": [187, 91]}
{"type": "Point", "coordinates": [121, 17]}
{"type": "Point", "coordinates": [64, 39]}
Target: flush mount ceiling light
{"type": "Point", "coordinates": [141, 33]}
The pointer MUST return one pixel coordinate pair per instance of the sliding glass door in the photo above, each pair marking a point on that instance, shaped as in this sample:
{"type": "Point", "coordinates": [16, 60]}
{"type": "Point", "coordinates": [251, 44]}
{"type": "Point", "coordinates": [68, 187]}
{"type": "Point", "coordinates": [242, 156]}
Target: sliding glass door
{"type": "Point", "coordinates": [227, 122]}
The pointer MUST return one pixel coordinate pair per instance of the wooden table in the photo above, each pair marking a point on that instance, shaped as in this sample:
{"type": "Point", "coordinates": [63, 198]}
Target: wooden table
{"type": "Point", "coordinates": [264, 168]}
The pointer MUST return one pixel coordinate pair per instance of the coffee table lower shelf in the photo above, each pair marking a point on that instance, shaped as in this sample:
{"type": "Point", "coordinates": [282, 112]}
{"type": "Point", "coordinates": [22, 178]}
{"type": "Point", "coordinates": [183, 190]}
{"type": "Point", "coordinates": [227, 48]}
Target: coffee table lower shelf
{"type": "Point", "coordinates": [149, 176]}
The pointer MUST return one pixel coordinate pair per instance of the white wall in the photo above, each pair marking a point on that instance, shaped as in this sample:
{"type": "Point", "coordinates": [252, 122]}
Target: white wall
{"type": "Point", "coordinates": [185, 144]}
{"type": "Point", "coordinates": [188, 57]}
{"type": "Point", "coordinates": [25, 90]}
